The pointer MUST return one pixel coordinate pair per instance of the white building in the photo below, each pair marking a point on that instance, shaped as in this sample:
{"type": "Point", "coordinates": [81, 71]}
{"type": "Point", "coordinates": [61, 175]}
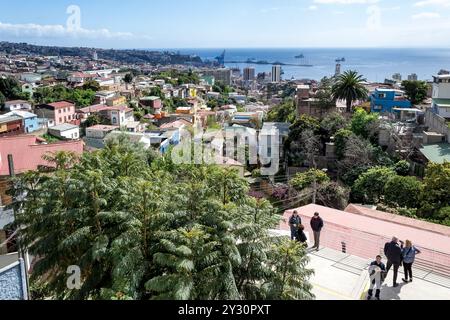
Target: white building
{"type": "Point", "coordinates": [15, 105]}
{"type": "Point", "coordinates": [100, 131]}
{"type": "Point", "coordinates": [276, 73]}
{"type": "Point", "coordinates": [441, 95]}
{"type": "Point", "coordinates": [65, 131]}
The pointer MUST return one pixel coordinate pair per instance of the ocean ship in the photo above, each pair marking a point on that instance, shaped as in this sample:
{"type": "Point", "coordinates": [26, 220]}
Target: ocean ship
{"type": "Point", "coordinates": [340, 60]}
{"type": "Point", "coordinates": [300, 56]}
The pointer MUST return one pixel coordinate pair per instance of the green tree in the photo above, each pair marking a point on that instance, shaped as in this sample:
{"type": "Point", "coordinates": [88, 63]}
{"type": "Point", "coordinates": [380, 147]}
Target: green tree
{"type": "Point", "coordinates": [369, 188]}
{"type": "Point", "coordinates": [141, 227]}
{"type": "Point", "coordinates": [91, 85]}
{"type": "Point", "coordinates": [340, 139]}
{"type": "Point", "coordinates": [128, 78]}
{"type": "Point", "coordinates": [403, 191]}
{"type": "Point", "coordinates": [364, 124]}
{"type": "Point", "coordinates": [285, 112]}
{"type": "Point", "coordinates": [324, 94]}
{"type": "Point", "coordinates": [333, 195]}
{"type": "Point", "coordinates": [349, 86]}
{"type": "Point", "coordinates": [306, 179]}
{"type": "Point", "coordinates": [402, 168]}
{"type": "Point", "coordinates": [333, 123]}
{"type": "Point", "coordinates": [11, 89]}
{"type": "Point", "coordinates": [416, 91]}
{"type": "Point", "coordinates": [2, 101]}
{"type": "Point", "coordinates": [288, 260]}
{"type": "Point", "coordinates": [435, 194]}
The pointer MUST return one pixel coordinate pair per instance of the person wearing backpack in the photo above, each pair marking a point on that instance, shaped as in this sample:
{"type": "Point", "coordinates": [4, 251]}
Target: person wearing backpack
{"type": "Point", "coordinates": [409, 255]}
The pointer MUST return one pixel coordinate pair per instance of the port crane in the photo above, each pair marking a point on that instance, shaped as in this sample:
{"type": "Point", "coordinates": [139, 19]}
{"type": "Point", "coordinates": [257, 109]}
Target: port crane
{"type": "Point", "coordinates": [221, 59]}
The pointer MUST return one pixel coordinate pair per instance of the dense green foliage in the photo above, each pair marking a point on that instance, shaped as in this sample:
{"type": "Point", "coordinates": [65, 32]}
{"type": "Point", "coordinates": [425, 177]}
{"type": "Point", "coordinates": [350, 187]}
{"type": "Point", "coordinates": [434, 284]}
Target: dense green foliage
{"type": "Point", "coordinates": [141, 227]}
{"type": "Point", "coordinates": [306, 179]}
{"type": "Point", "coordinates": [416, 91]}
{"type": "Point", "coordinates": [81, 97]}
{"type": "Point", "coordinates": [10, 89]}
{"type": "Point", "coordinates": [435, 198]}
{"type": "Point", "coordinates": [364, 124]}
{"type": "Point", "coordinates": [369, 187]}
{"type": "Point", "coordinates": [403, 191]}
{"type": "Point", "coordinates": [285, 112]}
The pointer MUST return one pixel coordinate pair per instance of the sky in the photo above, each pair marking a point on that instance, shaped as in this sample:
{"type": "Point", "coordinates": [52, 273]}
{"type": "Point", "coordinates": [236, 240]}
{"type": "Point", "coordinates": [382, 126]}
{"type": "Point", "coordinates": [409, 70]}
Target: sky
{"type": "Point", "coordinates": [227, 23]}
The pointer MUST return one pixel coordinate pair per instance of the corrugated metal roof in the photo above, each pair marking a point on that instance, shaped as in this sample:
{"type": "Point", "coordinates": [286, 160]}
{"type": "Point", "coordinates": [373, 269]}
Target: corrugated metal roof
{"type": "Point", "coordinates": [437, 153]}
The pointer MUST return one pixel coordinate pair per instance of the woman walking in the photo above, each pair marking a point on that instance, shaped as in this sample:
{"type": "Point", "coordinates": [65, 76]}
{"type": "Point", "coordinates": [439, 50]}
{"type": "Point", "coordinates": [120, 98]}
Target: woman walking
{"type": "Point", "coordinates": [409, 255]}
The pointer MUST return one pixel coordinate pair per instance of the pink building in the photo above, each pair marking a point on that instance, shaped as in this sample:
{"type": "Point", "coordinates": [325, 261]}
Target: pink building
{"type": "Point", "coordinates": [59, 112]}
{"type": "Point", "coordinates": [362, 232]}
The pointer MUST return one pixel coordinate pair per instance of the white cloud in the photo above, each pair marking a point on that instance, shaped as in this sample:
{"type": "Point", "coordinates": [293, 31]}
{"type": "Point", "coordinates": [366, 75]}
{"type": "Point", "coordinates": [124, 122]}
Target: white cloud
{"type": "Point", "coordinates": [426, 15]}
{"type": "Point", "coordinates": [445, 3]}
{"type": "Point", "coordinates": [312, 7]}
{"type": "Point", "coordinates": [60, 31]}
{"type": "Point", "coordinates": [346, 1]}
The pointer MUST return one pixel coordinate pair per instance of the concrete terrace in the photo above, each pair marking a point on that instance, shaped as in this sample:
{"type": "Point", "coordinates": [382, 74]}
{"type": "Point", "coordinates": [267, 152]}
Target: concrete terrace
{"type": "Point", "coordinates": [341, 276]}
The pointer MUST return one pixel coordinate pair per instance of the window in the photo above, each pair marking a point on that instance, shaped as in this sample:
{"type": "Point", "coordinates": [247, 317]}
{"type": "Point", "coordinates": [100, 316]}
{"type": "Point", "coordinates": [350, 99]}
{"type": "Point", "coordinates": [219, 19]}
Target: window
{"type": "Point", "coordinates": [60, 119]}
{"type": "Point", "coordinates": [382, 95]}
{"type": "Point", "coordinates": [377, 107]}
{"type": "Point", "coordinates": [59, 111]}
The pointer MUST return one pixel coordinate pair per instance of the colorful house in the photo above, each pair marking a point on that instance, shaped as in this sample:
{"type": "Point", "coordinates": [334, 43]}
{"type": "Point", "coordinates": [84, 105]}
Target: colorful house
{"type": "Point", "coordinates": [385, 100]}
{"type": "Point", "coordinates": [30, 120]}
{"type": "Point", "coordinates": [11, 125]}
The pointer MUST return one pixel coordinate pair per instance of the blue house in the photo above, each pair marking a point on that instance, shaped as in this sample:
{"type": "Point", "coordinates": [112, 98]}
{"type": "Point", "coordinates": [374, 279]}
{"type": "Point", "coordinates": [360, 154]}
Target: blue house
{"type": "Point", "coordinates": [385, 100]}
{"type": "Point", "coordinates": [30, 120]}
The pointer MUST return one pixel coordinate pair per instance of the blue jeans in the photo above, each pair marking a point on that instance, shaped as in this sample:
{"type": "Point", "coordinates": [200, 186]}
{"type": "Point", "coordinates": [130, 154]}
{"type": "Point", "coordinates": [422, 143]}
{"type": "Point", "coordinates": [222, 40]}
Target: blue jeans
{"type": "Point", "coordinates": [293, 233]}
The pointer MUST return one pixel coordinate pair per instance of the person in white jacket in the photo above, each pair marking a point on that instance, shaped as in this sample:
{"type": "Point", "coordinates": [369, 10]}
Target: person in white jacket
{"type": "Point", "coordinates": [377, 272]}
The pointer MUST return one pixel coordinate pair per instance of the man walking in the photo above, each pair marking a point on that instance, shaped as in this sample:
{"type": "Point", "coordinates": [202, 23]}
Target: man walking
{"type": "Point", "coordinates": [316, 226]}
{"type": "Point", "coordinates": [393, 252]}
{"type": "Point", "coordinates": [377, 272]}
{"type": "Point", "coordinates": [294, 222]}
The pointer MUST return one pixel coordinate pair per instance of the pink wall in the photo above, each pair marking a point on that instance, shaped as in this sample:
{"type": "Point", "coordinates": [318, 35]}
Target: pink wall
{"type": "Point", "coordinates": [64, 115]}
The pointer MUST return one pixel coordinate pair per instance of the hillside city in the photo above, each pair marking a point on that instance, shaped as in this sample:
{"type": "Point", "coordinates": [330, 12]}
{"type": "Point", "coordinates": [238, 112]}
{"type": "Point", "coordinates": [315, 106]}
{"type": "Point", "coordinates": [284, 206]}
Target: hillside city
{"type": "Point", "coordinates": [91, 179]}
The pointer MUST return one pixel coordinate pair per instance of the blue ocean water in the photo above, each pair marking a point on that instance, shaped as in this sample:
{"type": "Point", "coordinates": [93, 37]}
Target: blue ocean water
{"type": "Point", "coordinates": [373, 64]}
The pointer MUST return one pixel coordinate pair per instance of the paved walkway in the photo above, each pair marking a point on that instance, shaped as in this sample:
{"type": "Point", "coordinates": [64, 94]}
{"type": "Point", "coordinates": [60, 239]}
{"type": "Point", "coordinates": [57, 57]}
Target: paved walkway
{"type": "Point", "coordinates": [344, 277]}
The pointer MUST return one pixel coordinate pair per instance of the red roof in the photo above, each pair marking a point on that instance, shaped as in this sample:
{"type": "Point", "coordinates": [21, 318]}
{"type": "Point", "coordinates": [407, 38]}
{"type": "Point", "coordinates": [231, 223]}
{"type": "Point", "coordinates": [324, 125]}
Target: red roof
{"type": "Point", "coordinates": [390, 217]}
{"type": "Point", "coordinates": [27, 152]}
{"type": "Point", "coordinates": [102, 107]}
{"type": "Point", "coordinates": [93, 108]}
{"type": "Point", "coordinates": [176, 124]}
{"type": "Point", "coordinates": [61, 104]}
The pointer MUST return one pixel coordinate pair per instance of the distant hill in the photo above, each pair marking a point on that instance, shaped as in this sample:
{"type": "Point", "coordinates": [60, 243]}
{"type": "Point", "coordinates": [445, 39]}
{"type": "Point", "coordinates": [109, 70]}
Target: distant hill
{"type": "Point", "coordinates": [125, 56]}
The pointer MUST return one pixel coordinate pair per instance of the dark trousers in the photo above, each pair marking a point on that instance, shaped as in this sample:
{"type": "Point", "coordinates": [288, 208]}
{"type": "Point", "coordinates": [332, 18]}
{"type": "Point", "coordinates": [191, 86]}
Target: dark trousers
{"type": "Point", "coordinates": [396, 266]}
{"type": "Point", "coordinates": [316, 239]}
{"type": "Point", "coordinates": [407, 267]}
{"type": "Point", "coordinates": [293, 233]}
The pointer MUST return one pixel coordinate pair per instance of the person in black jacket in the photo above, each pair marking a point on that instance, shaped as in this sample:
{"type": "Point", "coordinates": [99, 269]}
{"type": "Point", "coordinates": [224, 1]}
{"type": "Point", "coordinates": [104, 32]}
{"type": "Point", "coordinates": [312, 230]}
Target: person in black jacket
{"type": "Point", "coordinates": [316, 226]}
{"type": "Point", "coordinates": [294, 222]}
{"type": "Point", "coordinates": [301, 236]}
{"type": "Point", "coordinates": [393, 253]}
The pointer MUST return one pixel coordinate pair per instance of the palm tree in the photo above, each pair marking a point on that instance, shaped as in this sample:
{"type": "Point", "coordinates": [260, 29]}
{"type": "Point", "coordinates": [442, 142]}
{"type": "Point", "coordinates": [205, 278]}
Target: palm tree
{"type": "Point", "coordinates": [349, 87]}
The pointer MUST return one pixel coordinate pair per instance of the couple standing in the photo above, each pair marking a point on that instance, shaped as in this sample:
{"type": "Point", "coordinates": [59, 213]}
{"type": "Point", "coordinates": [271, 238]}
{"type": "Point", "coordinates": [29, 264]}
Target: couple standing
{"type": "Point", "coordinates": [396, 254]}
{"type": "Point", "coordinates": [295, 223]}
